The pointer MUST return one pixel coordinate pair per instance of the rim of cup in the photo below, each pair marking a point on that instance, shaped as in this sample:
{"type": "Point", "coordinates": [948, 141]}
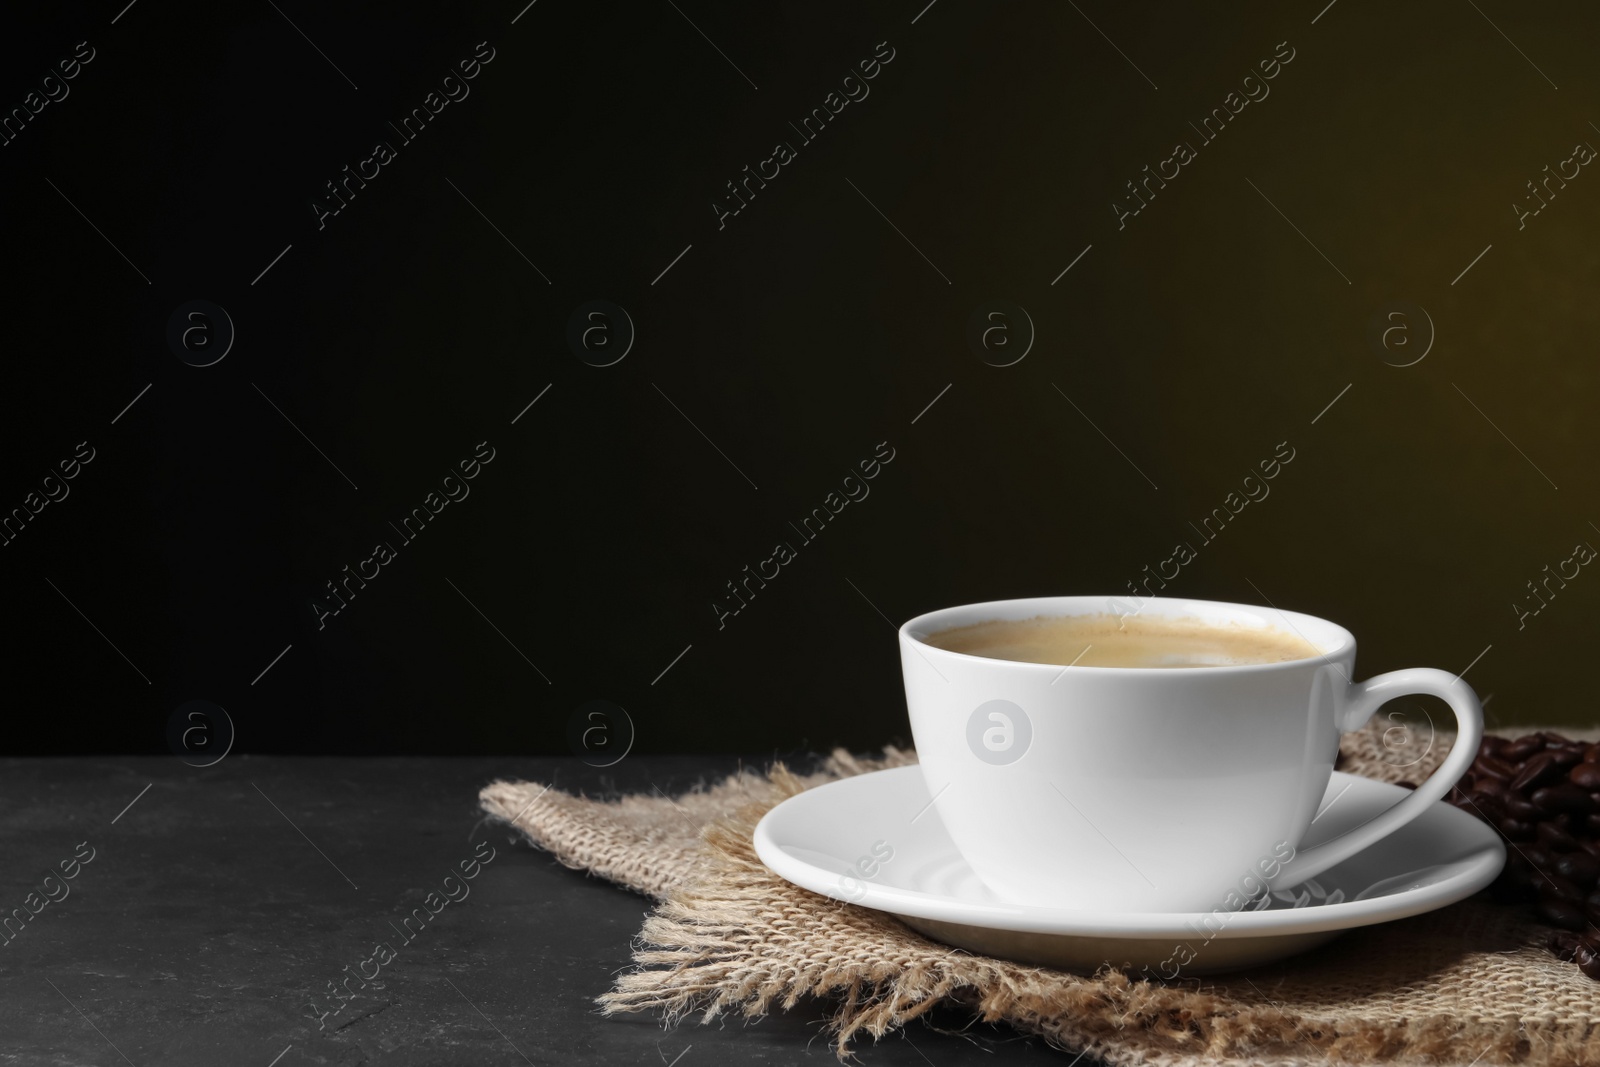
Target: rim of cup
{"type": "Point", "coordinates": [1329, 638]}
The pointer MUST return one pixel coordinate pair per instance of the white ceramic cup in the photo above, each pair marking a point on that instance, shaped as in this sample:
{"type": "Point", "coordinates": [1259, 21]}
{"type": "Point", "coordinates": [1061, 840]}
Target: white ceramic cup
{"type": "Point", "coordinates": [1156, 789]}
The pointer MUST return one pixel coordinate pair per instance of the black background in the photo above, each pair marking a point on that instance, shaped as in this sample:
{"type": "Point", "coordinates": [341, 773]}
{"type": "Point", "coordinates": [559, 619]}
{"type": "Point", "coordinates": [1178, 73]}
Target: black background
{"type": "Point", "coordinates": [775, 354]}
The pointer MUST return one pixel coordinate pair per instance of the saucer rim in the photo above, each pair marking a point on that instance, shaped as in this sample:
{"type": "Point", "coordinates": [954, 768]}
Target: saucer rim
{"type": "Point", "coordinates": [1483, 863]}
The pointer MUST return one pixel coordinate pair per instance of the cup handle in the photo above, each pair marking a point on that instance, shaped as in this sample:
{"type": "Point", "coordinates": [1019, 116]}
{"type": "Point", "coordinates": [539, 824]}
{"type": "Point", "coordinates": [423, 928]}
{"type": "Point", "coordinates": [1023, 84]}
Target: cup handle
{"type": "Point", "coordinates": [1364, 698]}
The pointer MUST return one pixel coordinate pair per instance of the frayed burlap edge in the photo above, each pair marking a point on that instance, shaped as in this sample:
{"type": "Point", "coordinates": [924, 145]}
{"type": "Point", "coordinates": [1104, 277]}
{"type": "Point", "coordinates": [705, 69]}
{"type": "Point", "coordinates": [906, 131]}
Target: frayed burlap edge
{"type": "Point", "coordinates": [730, 938]}
{"type": "Point", "coordinates": [648, 842]}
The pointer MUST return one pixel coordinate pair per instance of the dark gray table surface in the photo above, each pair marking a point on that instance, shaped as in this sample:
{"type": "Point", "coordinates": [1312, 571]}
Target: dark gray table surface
{"type": "Point", "coordinates": [223, 900]}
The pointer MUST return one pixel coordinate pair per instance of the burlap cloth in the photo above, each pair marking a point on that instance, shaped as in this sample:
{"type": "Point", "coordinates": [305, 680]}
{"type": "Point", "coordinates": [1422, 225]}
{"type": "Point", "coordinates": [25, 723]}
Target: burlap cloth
{"type": "Point", "coordinates": [1471, 983]}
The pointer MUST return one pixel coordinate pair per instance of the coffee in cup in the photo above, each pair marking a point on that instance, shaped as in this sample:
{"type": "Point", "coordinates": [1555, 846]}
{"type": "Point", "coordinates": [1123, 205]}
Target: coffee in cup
{"type": "Point", "coordinates": [1120, 641]}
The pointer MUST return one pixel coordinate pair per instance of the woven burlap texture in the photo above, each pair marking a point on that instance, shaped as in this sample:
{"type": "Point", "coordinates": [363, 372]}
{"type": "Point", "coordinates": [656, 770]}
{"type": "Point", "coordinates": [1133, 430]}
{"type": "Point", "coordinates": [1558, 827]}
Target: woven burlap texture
{"type": "Point", "coordinates": [1471, 983]}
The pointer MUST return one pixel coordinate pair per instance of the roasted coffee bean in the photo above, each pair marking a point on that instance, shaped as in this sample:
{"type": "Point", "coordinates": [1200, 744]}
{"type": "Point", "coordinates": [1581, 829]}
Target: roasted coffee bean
{"type": "Point", "coordinates": [1561, 913]}
{"type": "Point", "coordinates": [1553, 886]}
{"type": "Point", "coordinates": [1521, 749]}
{"type": "Point", "coordinates": [1484, 805]}
{"type": "Point", "coordinates": [1564, 944]}
{"type": "Point", "coordinates": [1495, 803]}
{"type": "Point", "coordinates": [1553, 837]}
{"type": "Point", "coordinates": [1536, 854]}
{"type": "Point", "coordinates": [1533, 881]}
{"type": "Point", "coordinates": [1565, 796]}
{"type": "Point", "coordinates": [1542, 792]}
{"type": "Point", "coordinates": [1496, 768]}
{"type": "Point", "coordinates": [1539, 770]}
{"type": "Point", "coordinates": [1519, 807]}
{"type": "Point", "coordinates": [1516, 829]}
{"type": "Point", "coordinates": [1579, 867]}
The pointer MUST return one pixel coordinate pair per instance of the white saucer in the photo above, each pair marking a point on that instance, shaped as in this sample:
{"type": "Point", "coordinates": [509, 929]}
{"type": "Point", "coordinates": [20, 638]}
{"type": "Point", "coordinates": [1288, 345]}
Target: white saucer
{"type": "Point", "coordinates": [823, 839]}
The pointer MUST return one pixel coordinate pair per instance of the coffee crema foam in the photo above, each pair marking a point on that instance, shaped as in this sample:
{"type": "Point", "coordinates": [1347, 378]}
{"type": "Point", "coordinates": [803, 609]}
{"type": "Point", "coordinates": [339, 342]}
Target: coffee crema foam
{"type": "Point", "coordinates": [1113, 641]}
